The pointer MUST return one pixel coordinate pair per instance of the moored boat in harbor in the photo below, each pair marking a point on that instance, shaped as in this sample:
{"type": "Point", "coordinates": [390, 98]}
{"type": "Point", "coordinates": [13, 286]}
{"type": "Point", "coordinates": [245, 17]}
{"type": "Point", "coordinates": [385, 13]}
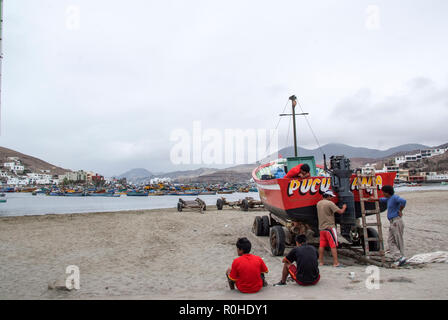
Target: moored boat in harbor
{"type": "Point", "coordinates": [135, 193]}
{"type": "Point", "coordinates": [225, 191]}
{"type": "Point", "coordinates": [203, 193]}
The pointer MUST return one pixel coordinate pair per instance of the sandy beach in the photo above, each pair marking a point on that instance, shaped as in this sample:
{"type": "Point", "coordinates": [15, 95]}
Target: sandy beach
{"type": "Point", "coordinates": [164, 254]}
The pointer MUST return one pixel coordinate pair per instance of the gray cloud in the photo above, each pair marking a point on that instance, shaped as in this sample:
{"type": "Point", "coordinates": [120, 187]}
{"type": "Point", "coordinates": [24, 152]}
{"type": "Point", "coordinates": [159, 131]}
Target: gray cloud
{"type": "Point", "coordinates": [107, 96]}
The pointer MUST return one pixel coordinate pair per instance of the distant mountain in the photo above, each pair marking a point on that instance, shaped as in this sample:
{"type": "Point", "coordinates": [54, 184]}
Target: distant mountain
{"type": "Point", "coordinates": [220, 176]}
{"type": "Point", "coordinates": [242, 173]}
{"type": "Point", "coordinates": [349, 151]}
{"type": "Point", "coordinates": [31, 163]}
{"type": "Point", "coordinates": [189, 173]}
{"type": "Point", "coordinates": [137, 175]}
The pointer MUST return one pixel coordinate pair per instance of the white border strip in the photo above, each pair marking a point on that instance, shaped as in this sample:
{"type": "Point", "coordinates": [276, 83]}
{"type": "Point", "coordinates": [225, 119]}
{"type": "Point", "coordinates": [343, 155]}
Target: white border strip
{"type": "Point", "coordinates": [269, 186]}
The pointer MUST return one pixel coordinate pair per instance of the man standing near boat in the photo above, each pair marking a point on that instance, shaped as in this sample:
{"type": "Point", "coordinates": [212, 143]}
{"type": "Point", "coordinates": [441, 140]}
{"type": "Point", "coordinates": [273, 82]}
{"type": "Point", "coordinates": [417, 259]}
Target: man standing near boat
{"type": "Point", "coordinates": [327, 226]}
{"type": "Point", "coordinates": [395, 206]}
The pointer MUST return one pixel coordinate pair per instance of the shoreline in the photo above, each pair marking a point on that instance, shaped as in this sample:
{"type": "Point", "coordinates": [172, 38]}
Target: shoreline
{"type": "Point", "coordinates": [27, 205]}
{"type": "Point", "coordinates": [162, 208]}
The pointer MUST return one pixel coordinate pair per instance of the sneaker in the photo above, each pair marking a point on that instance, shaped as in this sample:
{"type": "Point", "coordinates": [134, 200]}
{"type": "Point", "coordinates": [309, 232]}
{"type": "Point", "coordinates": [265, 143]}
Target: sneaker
{"type": "Point", "coordinates": [265, 283]}
{"type": "Point", "coordinates": [400, 262]}
{"type": "Point", "coordinates": [280, 284]}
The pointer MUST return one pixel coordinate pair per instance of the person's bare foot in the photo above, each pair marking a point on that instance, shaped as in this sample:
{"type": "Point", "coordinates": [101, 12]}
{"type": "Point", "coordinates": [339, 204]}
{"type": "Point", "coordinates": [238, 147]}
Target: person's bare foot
{"type": "Point", "coordinates": [338, 265]}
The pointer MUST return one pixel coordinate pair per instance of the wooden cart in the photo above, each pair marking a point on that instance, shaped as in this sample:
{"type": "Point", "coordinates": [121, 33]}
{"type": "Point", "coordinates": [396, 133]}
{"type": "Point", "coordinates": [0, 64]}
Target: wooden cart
{"type": "Point", "coordinates": [197, 204]}
{"type": "Point", "coordinates": [244, 204]}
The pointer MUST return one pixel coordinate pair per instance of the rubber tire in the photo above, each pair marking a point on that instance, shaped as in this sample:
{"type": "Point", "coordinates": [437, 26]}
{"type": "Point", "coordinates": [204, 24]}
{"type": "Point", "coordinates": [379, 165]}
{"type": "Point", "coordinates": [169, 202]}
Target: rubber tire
{"type": "Point", "coordinates": [179, 207]}
{"type": "Point", "coordinates": [245, 205]}
{"type": "Point", "coordinates": [277, 240]}
{"type": "Point", "coordinates": [266, 226]}
{"type": "Point", "coordinates": [373, 245]}
{"type": "Point", "coordinates": [257, 227]}
{"type": "Point", "coordinates": [219, 204]}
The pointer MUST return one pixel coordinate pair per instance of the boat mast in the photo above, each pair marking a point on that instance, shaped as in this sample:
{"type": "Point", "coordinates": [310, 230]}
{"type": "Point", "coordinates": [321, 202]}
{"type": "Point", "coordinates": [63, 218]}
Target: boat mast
{"type": "Point", "coordinates": [293, 99]}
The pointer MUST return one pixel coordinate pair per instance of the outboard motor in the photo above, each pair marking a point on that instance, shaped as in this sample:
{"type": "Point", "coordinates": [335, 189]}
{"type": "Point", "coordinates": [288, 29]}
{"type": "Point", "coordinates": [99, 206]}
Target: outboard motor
{"type": "Point", "coordinates": [340, 183]}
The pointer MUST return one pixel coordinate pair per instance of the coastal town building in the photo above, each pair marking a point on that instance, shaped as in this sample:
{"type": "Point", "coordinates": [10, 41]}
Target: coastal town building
{"type": "Point", "coordinates": [14, 166]}
{"type": "Point", "coordinates": [160, 180]}
{"type": "Point", "coordinates": [433, 176]}
{"type": "Point", "coordinates": [423, 154]}
{"type": "Point", "coordinates": [37, 178]}
{"type": "Point", "coordinates": [406, 175]}
{"type": "Point", "coordinates": [79, 175]}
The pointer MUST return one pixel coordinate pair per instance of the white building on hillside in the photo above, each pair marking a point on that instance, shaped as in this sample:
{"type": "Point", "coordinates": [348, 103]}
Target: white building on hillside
{"type": "Point", "coordinates": [160, 180]}
{"type": "Point", "coordinates": [37, 178]}
{"type": "Point", "coordinates": [18, 181]}
{"type": "Point", "coordinates": [423, 154]}
{"type": "Point", "coordinates": [74, 176]}
{"type": "Point", "coordinates": [12, 166]}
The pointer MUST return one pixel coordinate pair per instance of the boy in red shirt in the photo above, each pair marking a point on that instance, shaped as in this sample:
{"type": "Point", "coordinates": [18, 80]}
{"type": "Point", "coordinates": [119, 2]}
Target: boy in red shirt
{"type": "Point", "coordinates": [248, 270]}
{"type": "Point", "coordinates": [300, 171]}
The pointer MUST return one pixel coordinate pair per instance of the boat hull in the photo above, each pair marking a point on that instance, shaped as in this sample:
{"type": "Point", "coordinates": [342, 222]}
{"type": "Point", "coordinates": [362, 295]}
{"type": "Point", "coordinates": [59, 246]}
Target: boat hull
{"type": "Point", "coordinates": [137, 194]}
{"type": "Point", "coordinates": [292, 199]}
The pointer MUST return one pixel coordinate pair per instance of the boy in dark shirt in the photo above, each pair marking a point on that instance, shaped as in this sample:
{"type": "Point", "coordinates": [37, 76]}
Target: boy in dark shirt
{"type": "Point", "coordinates": [306, 258]}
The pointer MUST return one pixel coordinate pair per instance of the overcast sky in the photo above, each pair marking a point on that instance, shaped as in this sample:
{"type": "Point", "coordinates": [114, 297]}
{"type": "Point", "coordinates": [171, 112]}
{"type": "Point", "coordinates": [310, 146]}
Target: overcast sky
{"type": "Point", "coordinates": [101, 85]}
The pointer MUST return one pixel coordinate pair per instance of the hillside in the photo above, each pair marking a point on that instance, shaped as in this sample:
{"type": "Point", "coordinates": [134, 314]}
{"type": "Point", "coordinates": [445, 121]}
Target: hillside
{"type": "Point", "coordinates": [349, 151]}
{"type": "Point", "coordinates": [188, 175]}
{"type": "Point", "coordinates": [31, 163]}
{"type": "Point", "coordinates": [137, 175]}
{"type": "Point", "coordinates": [241, 173]}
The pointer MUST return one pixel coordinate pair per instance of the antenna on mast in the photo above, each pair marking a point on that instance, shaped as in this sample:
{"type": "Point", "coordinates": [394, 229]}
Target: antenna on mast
{"type": "Point", "coordinates": [293, 99]}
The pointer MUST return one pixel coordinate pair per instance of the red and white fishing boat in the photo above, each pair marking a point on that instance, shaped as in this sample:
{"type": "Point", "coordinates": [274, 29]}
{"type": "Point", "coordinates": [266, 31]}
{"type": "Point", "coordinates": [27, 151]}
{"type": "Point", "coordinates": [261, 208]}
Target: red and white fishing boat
{"type": "Point", "coordinates": [292, 201]}
{"type": "Point", "coordinates": [296, 199]}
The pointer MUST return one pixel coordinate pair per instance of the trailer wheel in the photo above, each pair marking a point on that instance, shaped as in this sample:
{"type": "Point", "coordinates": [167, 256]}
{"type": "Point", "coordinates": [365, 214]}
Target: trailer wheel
{"type": "Point", "coordinates": [257, 227]}
{"type": "Point", "coordinates": [277, 240]}
{"type": "Point", "coordinates": [245, 205]}
{"type": "Point", "coordinates": [179, 207]}
{"type": "Point", "coordinates": [265, 220]}
{"type": "Point", "coordinates": [219, 204]}
{"type": "Point", "coordinates": [374, 245]}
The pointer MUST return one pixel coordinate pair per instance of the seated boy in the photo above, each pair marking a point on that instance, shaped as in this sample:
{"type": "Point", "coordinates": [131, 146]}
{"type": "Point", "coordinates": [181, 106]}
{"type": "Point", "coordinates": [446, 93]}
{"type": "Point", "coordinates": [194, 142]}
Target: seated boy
{"type": "Point", "coordinates": [247, 271]}
{"type": "Point", "coordinates": [306, 273]}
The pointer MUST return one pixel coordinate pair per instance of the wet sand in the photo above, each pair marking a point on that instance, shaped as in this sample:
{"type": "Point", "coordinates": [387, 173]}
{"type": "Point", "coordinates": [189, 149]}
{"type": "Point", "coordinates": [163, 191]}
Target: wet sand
{"type": "Point", "coordinates": [164, 254]}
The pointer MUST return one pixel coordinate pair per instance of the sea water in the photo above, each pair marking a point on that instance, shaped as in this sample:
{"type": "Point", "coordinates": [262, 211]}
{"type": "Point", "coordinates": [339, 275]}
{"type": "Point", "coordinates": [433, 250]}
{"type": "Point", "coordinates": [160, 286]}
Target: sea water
{"type": "Point", "coordinates": [21, 204]}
